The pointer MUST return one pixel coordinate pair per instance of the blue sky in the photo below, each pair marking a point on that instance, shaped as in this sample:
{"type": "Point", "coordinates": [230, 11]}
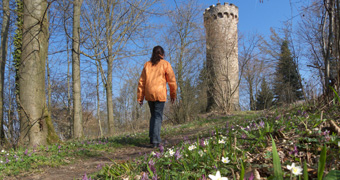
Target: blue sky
{"type": "Point", "coordinates": [258, 17]}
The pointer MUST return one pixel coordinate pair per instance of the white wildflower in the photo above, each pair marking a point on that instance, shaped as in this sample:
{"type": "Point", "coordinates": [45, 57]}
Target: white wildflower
{"type": "Point", "coordinates": [192, 147]}
{"type": "Point", "coordinates": [217, 176]}
{"type": "Point", "coordinates": [225, 160]}
{"type": "Point", "coordinates": [296, 170]}
{"type": "Point", "coordinates": [171, 152]}
{"type": "Point", "coordinates": [221, 141]}
{"type": "Point", "coordinates": [206, 142]}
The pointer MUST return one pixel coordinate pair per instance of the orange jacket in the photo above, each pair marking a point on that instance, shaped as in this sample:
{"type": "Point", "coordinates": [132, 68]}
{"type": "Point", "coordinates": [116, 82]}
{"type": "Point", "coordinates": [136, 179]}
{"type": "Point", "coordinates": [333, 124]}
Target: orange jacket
{"type": "Point", "coordinates": [152, 82]}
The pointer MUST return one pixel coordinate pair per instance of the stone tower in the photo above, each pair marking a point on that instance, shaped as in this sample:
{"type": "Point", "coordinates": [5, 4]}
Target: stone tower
{"type": "Point", "coordinates": [220, 23]}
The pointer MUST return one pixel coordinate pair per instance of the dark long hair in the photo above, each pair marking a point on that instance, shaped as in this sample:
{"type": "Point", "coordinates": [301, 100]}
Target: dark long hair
{"type": "Point", "coordinates": [157, 55]}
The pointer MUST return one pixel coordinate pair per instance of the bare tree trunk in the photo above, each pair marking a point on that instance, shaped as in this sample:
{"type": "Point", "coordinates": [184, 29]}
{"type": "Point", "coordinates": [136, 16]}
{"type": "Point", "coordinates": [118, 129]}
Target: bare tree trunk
{"type": "Point", "coordinates": [110, 118]}
{"type": "Point", "coordinates": [330, 10]}
{"type": "Point", "coordinates": [69, 112]}
{"type": "Point", "coordinates": [251, 96]}
{"type": "Point", "coordinates": [32, 71]}
{"type": "Point", "coordinates": [98, 102]}
{"type": "Point", "coordinates": [77, 107]}
{"type": "Point", "coordinates": [10, 116]}
{"type": "Point", "coordinates": [3, 54]}
{"type": "Point", "coordinates": [337, 15]}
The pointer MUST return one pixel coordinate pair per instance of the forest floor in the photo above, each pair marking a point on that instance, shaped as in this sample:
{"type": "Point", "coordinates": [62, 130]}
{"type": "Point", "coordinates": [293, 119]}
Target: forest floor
{"type": "Point", "coordinates": [302, 134]}
{"type": "Point", "coordinates": [78, 168]}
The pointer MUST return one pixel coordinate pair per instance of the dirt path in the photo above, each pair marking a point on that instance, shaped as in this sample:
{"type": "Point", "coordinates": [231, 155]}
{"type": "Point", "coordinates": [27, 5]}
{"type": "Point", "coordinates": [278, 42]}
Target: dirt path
{"type": "Point", "coordinates": [80, 167]}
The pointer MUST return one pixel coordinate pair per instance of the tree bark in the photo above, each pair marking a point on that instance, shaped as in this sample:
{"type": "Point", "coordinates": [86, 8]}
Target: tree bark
{"type": "Point", "coordinates": [108, 25]}
{"type": "Point", "coordinates": [77, 107]}
{"type": "Point", "coordinates": [69, 112]}
{"type": "Point", "coordinates": [49, 89]}
{"type": "Point", "coordinates": [32, 72]}
{"type": "Point", "coordinates": [330, 9]}
{"type": "Point", "coordinates": [98, 102]}
{"type": "Point", "coordinates": [3, 54]}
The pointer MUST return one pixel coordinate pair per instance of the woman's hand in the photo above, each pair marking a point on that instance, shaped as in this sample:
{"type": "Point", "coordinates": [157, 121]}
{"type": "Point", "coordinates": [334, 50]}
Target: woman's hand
{"type": "Point", "coordinates": [173, 100]}
{"type": "Point", "coordinates": [140, 103]}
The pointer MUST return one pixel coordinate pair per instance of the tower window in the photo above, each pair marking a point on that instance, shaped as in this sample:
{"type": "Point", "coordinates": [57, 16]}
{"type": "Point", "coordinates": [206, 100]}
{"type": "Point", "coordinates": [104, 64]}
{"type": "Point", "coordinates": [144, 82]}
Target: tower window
{"type": "Point", "coordinates": [220, 15]}
{"type": "Point", "coordinates": [227, 14]}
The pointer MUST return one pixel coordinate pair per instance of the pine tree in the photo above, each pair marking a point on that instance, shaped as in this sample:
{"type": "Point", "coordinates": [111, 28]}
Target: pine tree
{"type": "Point", "coordinates": [287, 86]}
{"type": "Point", "coordinates": [265, 96]}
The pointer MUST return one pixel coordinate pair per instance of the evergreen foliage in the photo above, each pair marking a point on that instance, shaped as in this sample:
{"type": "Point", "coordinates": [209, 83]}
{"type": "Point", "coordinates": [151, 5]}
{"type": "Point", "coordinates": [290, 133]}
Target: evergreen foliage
{"type": "Point", "coordinates": [265, 96]}
{"type": "Point", "coordinates": [287, 85]}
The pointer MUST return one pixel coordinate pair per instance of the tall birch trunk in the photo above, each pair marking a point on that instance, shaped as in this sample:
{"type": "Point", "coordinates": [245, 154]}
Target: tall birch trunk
{"type": "Point", "coordinates": [77, 107]}
{"type": "Point", "coordinates": [3, 55]}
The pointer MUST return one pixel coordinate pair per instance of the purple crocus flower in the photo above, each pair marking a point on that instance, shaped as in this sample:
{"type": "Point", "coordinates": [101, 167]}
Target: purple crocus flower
{"type": "Point", "coordinates": [99, 166]}
{"type": "Point", "coordinates": [261, 124]}
{"type": "Point", "coordinates": [325, 133]}
{"type": "Point", "coordinates": [85, 177]}
{"type": "Point", "coordinates": [251, 177]}
{"type": "Point", "coordinates": [203, 177]}
{"type": "Point", "coordinates": [152, 166]}
{"type": "Point", "coordinates": [177, 154]}
{"type": "Point", "coordinates": [158, 155]}
{"type": "Point", "coordinates": [202, 142]}
{"type": "Point", "coordinates": [295, 151]}
{"type": "Point", "coordinates": [327, 138]}
{"type": "Point", "coordinates": [244, 136]}
{"type": "Point", "coordinates": [161, 148]}
{"type": "Point", "coordinates": [26, 151]}
{"type": "Point", "coordinates": [255, 125]}
{"type": "Point", "coordinates": [145, 176]}
{"type": "Point", "coordinates": [278, 117]}
{"type": "Point", "coordinates": [154, 177]}
{"type": "Point", "coordinates": [7, 161]}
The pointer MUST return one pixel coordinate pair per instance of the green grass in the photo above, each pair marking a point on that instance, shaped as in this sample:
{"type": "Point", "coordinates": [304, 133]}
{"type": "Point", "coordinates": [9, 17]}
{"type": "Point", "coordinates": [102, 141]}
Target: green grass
{"type": "Point", "coordinates": [247, 144]}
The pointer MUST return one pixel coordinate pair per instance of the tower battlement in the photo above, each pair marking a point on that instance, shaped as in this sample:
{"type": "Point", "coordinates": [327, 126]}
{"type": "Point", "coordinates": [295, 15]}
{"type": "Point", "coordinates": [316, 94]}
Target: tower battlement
{"type": "Point", "coordinates": [225, 10]}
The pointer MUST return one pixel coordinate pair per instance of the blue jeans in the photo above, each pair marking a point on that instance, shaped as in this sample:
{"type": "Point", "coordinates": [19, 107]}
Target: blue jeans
{"type": "Point", "coordinates": [156, 110]}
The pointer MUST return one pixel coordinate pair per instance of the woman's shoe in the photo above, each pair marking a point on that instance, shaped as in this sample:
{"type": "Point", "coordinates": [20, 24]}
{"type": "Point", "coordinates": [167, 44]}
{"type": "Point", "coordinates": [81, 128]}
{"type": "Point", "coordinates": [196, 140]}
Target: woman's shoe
{"type": "Point", "coordinates": [155, 145]}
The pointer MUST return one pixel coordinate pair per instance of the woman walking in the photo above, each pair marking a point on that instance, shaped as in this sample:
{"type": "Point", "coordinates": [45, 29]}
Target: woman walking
{"type": "Point", "coordinates": [152, 86]}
